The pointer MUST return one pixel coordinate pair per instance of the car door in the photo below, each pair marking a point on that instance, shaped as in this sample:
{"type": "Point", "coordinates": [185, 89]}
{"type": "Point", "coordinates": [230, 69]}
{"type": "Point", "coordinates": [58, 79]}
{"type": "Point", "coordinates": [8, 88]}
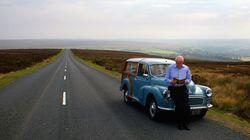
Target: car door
{"type": "Point", "coordinates": [132, 68]}
{"type": "Point", "coordinates": [142, 79]}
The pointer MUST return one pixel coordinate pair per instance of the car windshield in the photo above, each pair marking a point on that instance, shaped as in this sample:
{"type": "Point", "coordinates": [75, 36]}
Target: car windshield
{"type": "Point", "coordinates": [158, 70]}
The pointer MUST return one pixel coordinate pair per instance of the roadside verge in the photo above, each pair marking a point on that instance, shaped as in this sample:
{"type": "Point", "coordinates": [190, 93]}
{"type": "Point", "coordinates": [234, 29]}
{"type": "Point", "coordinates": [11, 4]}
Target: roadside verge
{"type": "Point", "coordinates": [7, 78]}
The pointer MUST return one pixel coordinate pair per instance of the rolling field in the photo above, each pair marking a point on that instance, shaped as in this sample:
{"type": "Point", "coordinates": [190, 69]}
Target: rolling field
{"type": "Point", "coordinates": [230, 81]}
{"type": "Point", "coordinates": [16, 59]}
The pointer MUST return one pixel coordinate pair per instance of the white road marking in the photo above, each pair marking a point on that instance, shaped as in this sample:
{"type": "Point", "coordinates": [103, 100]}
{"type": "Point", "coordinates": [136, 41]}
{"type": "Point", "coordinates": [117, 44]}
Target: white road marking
{"type": "Point", "coordinates": [65, 70]}
{"type": "Point", "coordinates": [66, 61]}
{"type": "Point", "coordinates": [64, 98]}
{"type": "Point", "coordinates": [64, 78]}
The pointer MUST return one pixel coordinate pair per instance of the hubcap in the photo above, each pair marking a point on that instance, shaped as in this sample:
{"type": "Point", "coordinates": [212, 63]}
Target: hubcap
{"type": "Point", "coordinates": [152, 109]}
{"type": "Point", "coordinates": [126, 96]}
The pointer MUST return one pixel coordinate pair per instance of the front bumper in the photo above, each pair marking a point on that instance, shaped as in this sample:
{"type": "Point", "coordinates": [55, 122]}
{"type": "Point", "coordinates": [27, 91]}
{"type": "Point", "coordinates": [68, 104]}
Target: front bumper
{"type": "Point", "coordinates": [192, 107]}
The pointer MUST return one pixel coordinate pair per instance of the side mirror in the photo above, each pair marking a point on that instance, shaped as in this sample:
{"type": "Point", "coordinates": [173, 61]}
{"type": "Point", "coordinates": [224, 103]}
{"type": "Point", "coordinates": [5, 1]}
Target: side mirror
{"type": "Point", "coordinates": [145, 76]}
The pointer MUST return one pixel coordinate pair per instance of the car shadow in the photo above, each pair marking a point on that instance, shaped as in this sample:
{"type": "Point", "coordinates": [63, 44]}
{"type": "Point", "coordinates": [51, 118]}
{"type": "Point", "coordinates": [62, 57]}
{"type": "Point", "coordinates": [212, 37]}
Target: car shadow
{"type": "Point", "coordinates": [167, 117]}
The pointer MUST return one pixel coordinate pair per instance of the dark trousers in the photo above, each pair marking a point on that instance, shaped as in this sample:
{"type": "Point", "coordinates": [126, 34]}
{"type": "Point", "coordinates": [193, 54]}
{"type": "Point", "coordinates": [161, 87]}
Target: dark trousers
{"type": "Point", "coordinates": [180, 98]}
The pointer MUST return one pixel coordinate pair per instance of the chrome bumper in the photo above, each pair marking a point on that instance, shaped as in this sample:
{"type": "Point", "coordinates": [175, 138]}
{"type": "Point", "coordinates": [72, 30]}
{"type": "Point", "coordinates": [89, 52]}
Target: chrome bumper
{"type": "Point", "coordinates": [192, 108]}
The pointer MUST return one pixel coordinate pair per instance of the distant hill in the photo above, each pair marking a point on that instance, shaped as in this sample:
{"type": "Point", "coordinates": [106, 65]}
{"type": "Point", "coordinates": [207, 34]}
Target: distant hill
{"type": "Point", "coordinates": [203, 49]}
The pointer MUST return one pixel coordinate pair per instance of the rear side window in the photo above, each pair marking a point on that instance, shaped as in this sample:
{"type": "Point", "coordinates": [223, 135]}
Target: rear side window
{"type": "Point", "coordinates": [132, 67]}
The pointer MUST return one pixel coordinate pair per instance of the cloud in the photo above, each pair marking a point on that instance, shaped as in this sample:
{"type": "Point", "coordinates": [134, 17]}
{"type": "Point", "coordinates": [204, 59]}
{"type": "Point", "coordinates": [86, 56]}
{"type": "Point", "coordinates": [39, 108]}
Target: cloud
{"type": "Point", "coordinates": [124, 19]}
{"type": "Point", "coordinates": [196, 16]}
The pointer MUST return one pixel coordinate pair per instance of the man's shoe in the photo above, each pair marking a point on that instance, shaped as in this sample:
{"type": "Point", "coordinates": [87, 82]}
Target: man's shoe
{"type": "Point", "coordinates": [186, 127]}
{"type": "Point", "coordinates": [180, 127]}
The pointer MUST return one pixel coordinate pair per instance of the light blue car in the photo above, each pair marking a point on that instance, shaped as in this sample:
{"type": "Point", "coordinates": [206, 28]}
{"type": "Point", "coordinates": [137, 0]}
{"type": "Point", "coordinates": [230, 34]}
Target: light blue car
{"type": "Point", "coordinates": [143, 81]}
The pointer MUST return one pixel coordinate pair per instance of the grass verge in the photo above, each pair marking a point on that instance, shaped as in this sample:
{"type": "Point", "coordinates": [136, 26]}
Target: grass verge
{"type": "Point", "coordinates": [114, 74]}
{"type": "Point", "coordinates": [229, 120]}
{"type": "Point", "coordinates": [7, 78]}
{"type": "Point", "coordinates": [223, 118]}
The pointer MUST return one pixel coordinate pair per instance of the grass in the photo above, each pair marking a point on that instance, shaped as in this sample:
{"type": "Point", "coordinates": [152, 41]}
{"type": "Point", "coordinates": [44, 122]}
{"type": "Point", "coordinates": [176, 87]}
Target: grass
{"type": "Point", "coordinates": [229, 120]}
{"type": "Point", "coordinates": [160, 52]}
{"type": "Point", "coordinates": [7, 78]}
{"type": "Point", "coordinates": [230, 83]}
{"type": "Point", "coordinates": [114, 74]}
{"type": "Point", "coordinates": [231, 94]}
{"type": "Point", "coordinates": [16, 59]}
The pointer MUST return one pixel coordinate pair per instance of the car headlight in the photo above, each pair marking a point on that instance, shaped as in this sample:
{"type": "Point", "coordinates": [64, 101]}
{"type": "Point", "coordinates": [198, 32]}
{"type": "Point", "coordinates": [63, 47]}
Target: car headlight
{"type": "Point", "coordinates": [166, 94]}
{"type": "Point", "coordinates": [209, 92]}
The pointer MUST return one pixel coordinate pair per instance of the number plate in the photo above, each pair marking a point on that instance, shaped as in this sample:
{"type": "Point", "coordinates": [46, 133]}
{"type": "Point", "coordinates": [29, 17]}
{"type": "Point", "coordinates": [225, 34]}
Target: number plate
{"type": "Point", "coordinates": [195, 111]}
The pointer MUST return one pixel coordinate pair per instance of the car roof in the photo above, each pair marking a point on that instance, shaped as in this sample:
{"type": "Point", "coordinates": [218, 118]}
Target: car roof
{"type": "Point", "coordinates": [151, 60]}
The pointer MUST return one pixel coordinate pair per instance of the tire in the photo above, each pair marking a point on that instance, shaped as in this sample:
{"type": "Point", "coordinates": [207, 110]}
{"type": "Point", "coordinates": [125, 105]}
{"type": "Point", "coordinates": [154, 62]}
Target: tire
{"type": "Point", "coordinates": [153, 110]}
{"type": "Point", "coordinates": [203, 113]}
{"type": "Point", "coordinates": [125, 96]}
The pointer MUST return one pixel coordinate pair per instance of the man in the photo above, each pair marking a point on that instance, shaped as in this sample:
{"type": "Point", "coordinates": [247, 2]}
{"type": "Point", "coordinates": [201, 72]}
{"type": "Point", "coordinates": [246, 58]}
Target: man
{"type": "Point", "coordinates": [178, 76]}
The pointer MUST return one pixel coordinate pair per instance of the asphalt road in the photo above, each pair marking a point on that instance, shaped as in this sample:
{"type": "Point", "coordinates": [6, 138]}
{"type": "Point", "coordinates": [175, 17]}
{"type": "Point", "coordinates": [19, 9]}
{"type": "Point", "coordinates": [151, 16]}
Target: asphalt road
{"type": "Point", "coordinates": [82, 103]}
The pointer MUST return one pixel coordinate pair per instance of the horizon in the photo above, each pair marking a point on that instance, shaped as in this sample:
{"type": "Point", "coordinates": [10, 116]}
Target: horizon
{"type": "Point", "coordinates": [125, 39]}
{"type": "Point", "coordinates": [215, 49]}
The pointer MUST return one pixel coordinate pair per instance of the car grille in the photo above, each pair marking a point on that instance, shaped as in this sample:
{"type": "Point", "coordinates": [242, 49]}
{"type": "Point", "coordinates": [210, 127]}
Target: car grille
{"type": "Point", "coordinates": [195, 101]}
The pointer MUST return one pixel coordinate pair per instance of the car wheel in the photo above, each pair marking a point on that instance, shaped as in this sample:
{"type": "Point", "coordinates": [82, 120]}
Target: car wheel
{"type": "Point", "coordinates": [153, 110]}
{"type": "Point", "coordinates": [125, 96]}
{"type": "Point", "coordinates": [202, 113]}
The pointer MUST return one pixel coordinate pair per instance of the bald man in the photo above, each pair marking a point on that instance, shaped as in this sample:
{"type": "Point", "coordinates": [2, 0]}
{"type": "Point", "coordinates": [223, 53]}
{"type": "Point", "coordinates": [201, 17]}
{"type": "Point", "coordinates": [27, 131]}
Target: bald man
{"type": "Point", "coordinates": [178, 76]}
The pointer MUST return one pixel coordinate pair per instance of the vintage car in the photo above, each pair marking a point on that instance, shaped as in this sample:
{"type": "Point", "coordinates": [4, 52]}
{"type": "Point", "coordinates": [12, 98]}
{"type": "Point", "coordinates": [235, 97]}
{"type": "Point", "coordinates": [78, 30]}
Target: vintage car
{"type": "Point", "coordinates": [143, 81]}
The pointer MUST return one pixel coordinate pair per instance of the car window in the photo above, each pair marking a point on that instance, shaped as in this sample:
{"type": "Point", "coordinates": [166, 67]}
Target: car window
{"type": "Point", "coordinates": [132, 67]}
{"type": "Point", "coordinates": [158, 70]}
{"type": "Point", "coordinates": [142, 69]}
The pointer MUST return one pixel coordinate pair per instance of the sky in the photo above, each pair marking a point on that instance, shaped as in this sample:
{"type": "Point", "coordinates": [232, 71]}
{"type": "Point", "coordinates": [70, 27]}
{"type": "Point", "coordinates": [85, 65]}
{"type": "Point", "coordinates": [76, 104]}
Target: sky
{"type": "Point", "coordinates": [124, 19]}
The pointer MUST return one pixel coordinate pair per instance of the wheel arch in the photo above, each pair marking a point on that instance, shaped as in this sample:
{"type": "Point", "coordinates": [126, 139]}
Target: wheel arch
{"type": "Point", "coordinates": [152, 93]}
{"type": "Point", "coordinates": [124, 84]}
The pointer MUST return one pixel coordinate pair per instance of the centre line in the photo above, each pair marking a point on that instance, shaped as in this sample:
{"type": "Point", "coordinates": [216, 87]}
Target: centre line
{"type": "Point", "coordinates": [65, 70]}
{"type": "Point", "coordinates": [64, 77]}
{"type": "Point", "coordinates": [64, 98]}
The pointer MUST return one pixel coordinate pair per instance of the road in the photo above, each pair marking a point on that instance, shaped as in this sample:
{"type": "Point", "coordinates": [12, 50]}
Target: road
{"type": "Point", "coordinates": [68, 100]}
